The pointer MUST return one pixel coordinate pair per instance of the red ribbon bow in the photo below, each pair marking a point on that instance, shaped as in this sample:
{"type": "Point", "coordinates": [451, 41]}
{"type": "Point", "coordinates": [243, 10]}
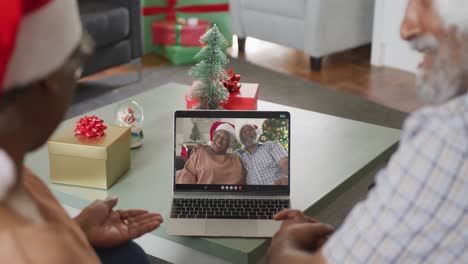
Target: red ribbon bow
{"type": "Point", "coordinates": [90, 126]}
{"type": "Point", "coordinates": [232, 83]}
{"type": "Point", "coordinates": [171, 9]}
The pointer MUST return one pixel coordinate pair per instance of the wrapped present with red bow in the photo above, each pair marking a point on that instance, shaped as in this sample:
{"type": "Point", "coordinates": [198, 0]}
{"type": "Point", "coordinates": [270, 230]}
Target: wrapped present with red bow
{"type": "Point", "coordinates": [232, 83]}
{"type": "Point", "coordinates": [215, 11]}
{"type": "Point", "coordinates": [181, 33]}
{"type": "Point", "coordinates": [89, 154]}
{"type": "Point", "coordinates": [242, 96]}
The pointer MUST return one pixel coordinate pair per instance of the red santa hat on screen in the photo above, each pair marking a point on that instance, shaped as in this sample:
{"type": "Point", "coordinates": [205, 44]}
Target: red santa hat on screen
{"type": "Point", "coordinates": [223, 126]}
{"type": "Point", "coordinates": [453, 12]}
{"type": "Point", "coordinates": [36, 37]}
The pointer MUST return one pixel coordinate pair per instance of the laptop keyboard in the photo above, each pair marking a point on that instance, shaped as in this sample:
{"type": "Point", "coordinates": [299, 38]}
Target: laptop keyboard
{"type": "Point", "coordinates": [227, 208]}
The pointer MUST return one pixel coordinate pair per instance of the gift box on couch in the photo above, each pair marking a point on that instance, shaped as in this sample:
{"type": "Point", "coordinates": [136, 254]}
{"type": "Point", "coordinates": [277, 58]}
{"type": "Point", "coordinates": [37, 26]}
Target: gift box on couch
{"type": "Point", "coordinates": [179, 42]}
{"type": "Point", "coordinates": [187, 33]}
{"type": "Point", "coordinates": [215, 11]}
{"type": "Point", "coordinates": [244, 99]}
{"type": "Point", "coordinates": [89, 162]}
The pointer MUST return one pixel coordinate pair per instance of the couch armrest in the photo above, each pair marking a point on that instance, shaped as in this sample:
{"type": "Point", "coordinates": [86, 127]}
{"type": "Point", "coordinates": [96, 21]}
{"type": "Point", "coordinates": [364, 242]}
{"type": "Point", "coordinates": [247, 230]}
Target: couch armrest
{"type": "Point", "coordinates": [336, 25]}
{"type": "Point", "coordinates": [136, 38]}
{"type": "Point", "coordinates": [235, 18]}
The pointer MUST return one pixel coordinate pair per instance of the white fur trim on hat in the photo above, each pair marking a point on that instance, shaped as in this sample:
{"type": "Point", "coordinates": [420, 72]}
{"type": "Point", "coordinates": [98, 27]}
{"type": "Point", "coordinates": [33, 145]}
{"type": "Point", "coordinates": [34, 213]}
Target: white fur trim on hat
{"type": "Point", "coordinates": [226, 127]}
{"type": "Point", "coordinates": [231, 130]}
{"type": "Point", "coordinates": [46, 38]}
{"type": "Point", "coordinates": [7, 174]}
{"type": "Point", "coordinates": [453, 12]}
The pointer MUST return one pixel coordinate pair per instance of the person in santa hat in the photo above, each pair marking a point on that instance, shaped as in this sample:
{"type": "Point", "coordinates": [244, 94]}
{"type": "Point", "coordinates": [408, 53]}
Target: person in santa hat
{"type": "Point", "coordinates": [418, 210]}
{"type": "Point", "coordinates": [42, 49]}
{"type": "Point", "coordinates": [266, 163]}
{"type": "Point", "coordinates": [213, 164]}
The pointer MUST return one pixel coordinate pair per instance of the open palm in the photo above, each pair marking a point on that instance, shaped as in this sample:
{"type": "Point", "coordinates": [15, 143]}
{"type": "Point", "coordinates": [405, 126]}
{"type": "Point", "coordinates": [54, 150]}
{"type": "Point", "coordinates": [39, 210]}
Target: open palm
{"type": "Point", "coordinates": [105, 227]}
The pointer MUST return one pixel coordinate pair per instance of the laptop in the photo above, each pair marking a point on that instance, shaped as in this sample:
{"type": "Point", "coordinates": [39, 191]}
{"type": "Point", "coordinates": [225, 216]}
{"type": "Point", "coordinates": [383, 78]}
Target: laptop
{"type": "Point", "coordinates": [223, 188]}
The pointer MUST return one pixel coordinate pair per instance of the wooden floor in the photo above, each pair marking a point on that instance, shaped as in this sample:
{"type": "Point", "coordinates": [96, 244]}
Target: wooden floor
{"type": "Point", "coordinates": [349, 72]}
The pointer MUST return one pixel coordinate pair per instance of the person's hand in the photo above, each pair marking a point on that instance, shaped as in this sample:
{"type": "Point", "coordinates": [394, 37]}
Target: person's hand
{"type": "Point", "coordinates": [293, 217]}
{"type": "Point", "coordinates": [298, 237]}
{"type": "Point", "coordinates": [105, 227]}
{"type": "Point", "coordinates": [282, 181]}
{"type": "Point", "coordinates": [296, 215]}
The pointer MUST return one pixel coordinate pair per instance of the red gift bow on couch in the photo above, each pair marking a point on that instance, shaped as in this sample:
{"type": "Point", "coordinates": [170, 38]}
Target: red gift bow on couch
{"type": "Point", "coordinates": [171, 9]}
{"type": "Point", "coordinates": [90, 127]}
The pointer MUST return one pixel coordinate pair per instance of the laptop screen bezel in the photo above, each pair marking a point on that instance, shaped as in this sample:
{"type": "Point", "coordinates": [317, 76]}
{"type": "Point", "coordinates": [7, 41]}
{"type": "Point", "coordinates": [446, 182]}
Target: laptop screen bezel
{"type": "Point", "coordinates": [247, 189]}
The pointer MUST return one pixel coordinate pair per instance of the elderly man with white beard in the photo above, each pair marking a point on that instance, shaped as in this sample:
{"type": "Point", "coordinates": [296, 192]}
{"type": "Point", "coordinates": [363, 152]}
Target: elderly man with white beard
{"type": "Point", "coordinates": [417, 213]}
{"type": "Point", "coordinates": [266, 163]}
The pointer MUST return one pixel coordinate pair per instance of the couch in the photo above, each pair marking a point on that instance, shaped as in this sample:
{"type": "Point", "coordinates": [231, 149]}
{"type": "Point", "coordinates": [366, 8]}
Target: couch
{"type": "Point", "coordinates": [115, 26]}
{"type": "Point", "coordinates": [316, 27]}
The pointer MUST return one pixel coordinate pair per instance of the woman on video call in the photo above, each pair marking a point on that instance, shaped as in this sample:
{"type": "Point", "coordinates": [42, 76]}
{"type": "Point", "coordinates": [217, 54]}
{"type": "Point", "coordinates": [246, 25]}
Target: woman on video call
{"type": "Point", "coordinates": [212, 164]}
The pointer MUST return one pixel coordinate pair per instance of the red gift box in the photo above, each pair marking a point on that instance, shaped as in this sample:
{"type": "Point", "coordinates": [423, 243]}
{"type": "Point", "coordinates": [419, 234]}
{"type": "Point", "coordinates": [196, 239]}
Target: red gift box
{"type": "Point", "coordinates": [172, 33]}
{"type": "Point", "coordinates": [245, 99]}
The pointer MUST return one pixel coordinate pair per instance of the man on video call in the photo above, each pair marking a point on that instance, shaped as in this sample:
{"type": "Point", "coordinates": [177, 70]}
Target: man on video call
{"type": "Point", "coordinates": [266, 163]}
{"type": "Point", "coordinates": [417, 211]}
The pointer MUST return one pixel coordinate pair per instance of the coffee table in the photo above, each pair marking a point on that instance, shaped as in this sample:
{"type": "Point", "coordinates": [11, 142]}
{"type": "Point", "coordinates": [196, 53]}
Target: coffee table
{"type": "Point", "coordinates": [327, 153]}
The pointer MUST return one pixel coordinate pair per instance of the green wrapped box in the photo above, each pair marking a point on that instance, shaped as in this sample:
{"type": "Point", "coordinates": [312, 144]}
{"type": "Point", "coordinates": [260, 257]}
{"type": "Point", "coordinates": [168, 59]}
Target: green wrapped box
{"type": "Point", "coordinates": [179, 54]}
{"type": "Point", "coordinates": [215, 11]}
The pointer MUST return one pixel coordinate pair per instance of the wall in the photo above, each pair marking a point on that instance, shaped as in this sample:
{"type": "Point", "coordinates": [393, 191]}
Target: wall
{"type": "Point", "coordinates": [387, 47]}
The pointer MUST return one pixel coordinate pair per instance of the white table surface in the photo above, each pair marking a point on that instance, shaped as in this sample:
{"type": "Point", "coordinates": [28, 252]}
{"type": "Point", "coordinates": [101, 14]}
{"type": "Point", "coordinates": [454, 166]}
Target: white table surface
{"type": "Point", "coordinates": [325, 152]}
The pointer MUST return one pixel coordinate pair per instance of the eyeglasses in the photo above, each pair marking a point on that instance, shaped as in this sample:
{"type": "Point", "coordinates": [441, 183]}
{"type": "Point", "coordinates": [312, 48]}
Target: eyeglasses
{"type": "Point", "coordinates": [74, 65]}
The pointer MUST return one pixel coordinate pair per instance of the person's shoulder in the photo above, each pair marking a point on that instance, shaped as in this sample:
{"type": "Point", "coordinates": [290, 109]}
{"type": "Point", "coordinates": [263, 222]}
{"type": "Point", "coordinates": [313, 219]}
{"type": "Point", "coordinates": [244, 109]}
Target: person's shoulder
{"type": "Point", "coordinates": [239, 151]}
{"type": "Point", "coordinates": [268, 144]}
{"type": "Point", "coordinates": [233, 155]}
{"type": "Point", "coordinates": [447, 123]}
{"type": "Point", "coordinates": [271, 144]}
{"type": "Point", "coordinates": [201, 149]}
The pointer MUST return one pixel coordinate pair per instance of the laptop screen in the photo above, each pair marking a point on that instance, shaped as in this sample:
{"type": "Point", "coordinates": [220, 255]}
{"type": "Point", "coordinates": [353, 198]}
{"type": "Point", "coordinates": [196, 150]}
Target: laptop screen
{"type": "Point", "coordinates": [232, 151]}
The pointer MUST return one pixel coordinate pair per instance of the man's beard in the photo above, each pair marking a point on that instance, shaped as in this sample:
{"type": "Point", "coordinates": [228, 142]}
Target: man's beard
{"type": "Point", "coordinates": [248, 142]}
{"type": "Point", "coordinates": [444, 80]}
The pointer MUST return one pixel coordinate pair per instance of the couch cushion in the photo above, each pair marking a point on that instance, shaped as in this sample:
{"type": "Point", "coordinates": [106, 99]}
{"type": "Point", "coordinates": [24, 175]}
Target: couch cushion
{"type": "Point", "coordinates": [106, 22]}
{"type": "Point", "coordinates": [288, 8]}
{"type": "Point", "coordinates": [108, 57]}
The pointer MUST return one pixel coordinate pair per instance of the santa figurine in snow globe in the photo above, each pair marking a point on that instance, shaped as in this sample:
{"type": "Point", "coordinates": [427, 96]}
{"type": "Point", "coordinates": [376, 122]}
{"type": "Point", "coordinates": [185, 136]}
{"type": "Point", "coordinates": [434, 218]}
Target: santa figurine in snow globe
{"type": "Point", "coordinates": [130, 114]}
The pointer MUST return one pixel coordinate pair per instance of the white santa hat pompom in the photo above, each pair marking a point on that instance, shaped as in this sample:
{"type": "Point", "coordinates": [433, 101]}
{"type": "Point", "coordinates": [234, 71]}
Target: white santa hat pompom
{"type": "Point", "coordinates": [453, 13]}
{"type": "Point", "coordinates": [7, 174]}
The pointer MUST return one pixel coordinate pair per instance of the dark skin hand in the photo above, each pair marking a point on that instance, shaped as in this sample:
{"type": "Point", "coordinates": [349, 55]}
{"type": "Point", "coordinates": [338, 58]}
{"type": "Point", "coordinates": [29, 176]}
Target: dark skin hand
{"type": "Point", "coordinates": [105, 227]}
{"type": "Point", "coordinates": [299, 239]}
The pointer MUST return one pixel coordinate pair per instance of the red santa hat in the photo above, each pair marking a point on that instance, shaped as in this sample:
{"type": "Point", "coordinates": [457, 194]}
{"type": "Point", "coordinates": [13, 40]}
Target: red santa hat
{"type": "Point", "coordinates": [223, 126]}
{"type": "Point", "coordinates": [453, 12]}
{"type": "Point", "coordinates": [36, 37]}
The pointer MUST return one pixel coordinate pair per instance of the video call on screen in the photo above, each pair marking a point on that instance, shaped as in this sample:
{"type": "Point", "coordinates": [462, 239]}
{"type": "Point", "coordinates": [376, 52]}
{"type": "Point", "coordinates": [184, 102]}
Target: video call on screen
{"type": "Point", "coordinates": [232, 152]}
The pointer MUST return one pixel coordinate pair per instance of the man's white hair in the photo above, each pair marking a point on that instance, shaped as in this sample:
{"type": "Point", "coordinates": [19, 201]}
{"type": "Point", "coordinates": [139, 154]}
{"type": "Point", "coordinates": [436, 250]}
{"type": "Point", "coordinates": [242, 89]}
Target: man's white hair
{"type": "Point", "coordinates": [453, 13]}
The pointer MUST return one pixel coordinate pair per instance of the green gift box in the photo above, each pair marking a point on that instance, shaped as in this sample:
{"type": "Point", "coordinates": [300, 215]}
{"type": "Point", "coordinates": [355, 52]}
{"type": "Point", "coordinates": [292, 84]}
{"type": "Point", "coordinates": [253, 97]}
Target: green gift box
{"type": "Point", "coordinates": [179, 54]}
{"type": "Point", "coordinates": [215, 11]}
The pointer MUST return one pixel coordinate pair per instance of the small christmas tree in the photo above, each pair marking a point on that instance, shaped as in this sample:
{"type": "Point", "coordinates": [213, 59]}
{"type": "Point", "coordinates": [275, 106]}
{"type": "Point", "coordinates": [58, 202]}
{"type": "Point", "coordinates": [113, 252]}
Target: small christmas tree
{"type": "Point", "coordinates": [209, 72]}
{"type": "Point", "coordinates": [275, 130]}
{"type": "Point", "coordinates": [195, 136]}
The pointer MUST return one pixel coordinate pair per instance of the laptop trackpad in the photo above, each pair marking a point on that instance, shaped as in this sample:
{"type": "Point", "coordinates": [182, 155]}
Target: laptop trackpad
{"type": "Point", "coordinates": [235, 228]}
